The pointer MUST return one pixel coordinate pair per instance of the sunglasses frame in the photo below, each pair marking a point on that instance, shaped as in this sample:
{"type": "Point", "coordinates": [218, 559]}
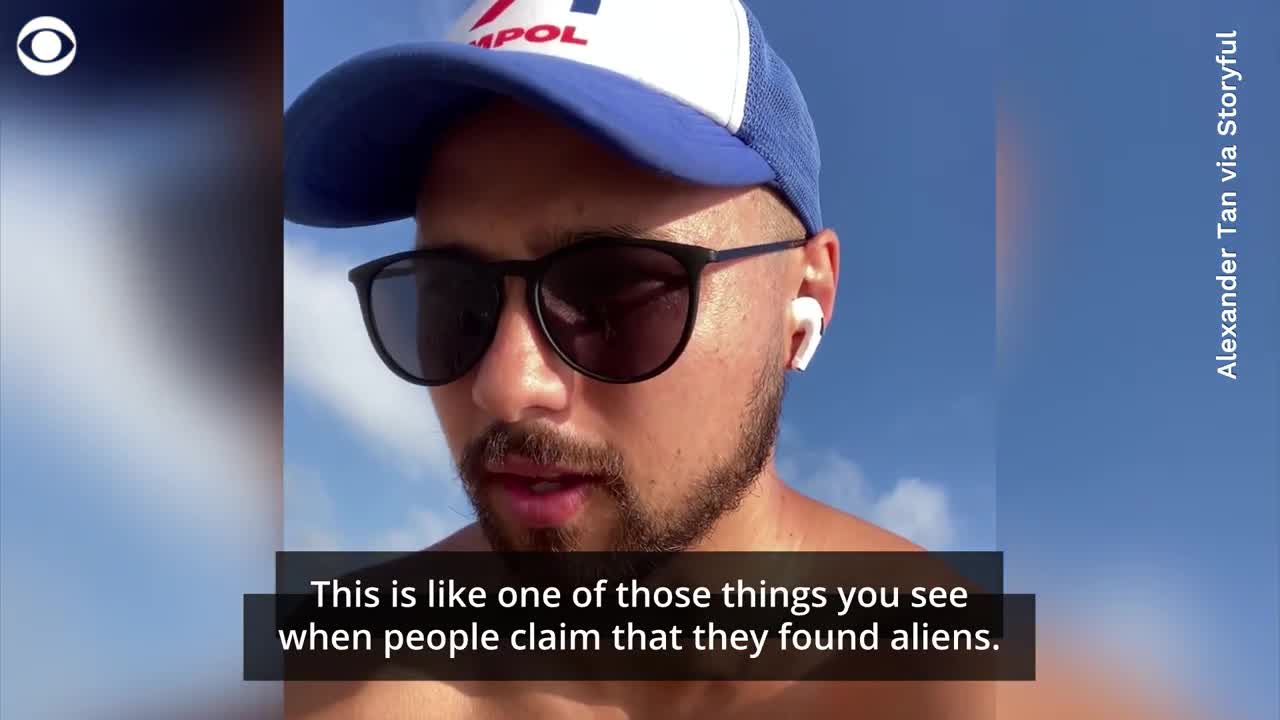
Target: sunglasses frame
{"type": "Point", "coordinates": [693, 258]}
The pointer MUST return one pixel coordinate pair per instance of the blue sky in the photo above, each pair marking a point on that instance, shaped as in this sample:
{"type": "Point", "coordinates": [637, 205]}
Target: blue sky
{"type": "Point", "coordinates": [1074, 420]}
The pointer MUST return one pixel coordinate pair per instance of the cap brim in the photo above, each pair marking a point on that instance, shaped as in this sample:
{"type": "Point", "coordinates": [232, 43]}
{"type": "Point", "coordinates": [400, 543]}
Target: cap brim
{"type": "Point", "coordinates": [357, 141]}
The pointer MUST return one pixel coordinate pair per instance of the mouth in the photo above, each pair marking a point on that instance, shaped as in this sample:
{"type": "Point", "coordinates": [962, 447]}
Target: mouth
{"type": "Point", "coordinates": [539, 496]}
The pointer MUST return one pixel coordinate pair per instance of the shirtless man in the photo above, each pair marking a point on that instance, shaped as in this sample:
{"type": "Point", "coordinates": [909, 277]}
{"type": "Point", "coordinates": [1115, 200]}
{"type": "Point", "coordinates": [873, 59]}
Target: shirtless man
{"type": "Point", "coordinates": [631, 400]}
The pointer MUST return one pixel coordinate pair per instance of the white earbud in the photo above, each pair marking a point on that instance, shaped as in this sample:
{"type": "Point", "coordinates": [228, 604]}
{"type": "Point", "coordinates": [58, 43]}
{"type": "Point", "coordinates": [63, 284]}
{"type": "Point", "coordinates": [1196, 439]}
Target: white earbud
{"type": "Point", "coordinates": [808, 315]}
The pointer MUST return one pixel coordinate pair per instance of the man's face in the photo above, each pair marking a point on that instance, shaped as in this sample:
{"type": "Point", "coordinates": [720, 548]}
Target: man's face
{"type": "Point", "coordinates": [552, 459]}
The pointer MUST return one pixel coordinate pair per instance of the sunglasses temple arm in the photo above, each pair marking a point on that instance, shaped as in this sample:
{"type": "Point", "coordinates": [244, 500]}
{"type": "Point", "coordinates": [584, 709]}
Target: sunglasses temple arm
{"type": "Point", "coordinates": [753, 250]}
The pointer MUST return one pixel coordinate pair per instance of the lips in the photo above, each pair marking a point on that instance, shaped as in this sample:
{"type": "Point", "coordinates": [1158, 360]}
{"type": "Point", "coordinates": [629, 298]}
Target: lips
{"type": "Point", "coordinates": [539, 496]}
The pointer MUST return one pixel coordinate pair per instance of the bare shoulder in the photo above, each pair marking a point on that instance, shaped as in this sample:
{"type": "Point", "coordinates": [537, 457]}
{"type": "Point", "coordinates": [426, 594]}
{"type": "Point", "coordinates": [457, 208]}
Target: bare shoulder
{"type": "Point", "coordinates": [322, 701]}
{"type": "Point", "coordinates": [818, 526]}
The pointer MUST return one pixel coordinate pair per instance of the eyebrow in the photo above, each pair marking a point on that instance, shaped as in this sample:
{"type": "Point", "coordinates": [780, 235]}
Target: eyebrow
{"type": "Point", "coordinates": [547, 242]}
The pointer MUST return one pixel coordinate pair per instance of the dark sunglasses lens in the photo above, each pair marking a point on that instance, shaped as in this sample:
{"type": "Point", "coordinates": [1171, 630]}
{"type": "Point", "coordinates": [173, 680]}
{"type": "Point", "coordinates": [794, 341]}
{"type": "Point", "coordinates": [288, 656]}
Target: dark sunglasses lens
{"type": "Point", "coordinates": [434, 316]}
{"type": "Point", "coordinates": [619, 312]}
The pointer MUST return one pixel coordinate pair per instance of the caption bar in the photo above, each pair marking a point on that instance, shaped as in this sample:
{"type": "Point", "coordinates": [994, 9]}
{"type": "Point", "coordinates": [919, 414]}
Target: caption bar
{"type": "Point", "coordinates": [598, 616]}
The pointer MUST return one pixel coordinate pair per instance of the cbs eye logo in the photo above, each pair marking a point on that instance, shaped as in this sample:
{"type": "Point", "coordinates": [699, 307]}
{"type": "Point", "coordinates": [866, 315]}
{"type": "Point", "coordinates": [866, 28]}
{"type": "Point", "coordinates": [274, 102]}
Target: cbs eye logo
{"type": "Point", "coordinates": [46, 46]}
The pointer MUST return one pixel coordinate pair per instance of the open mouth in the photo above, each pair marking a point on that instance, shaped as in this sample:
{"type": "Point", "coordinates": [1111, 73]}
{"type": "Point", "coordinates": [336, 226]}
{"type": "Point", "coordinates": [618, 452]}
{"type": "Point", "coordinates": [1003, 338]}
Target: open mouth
{"type": "Point", "coordinates": [542, 487]}
{"type": "Point", "coordinates": [539, 496]}
{"type": "Point", "coordinates": [547, 486]}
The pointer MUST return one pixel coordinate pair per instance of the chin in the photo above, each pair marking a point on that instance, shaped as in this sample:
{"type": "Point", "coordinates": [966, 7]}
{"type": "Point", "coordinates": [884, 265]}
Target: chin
{"type": "Point", "coordinates": [512, 538]}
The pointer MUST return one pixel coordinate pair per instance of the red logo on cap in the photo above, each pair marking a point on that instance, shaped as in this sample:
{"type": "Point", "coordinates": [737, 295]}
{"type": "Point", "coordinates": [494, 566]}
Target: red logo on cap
{"type": "Point", "coordinates": [590, 7]}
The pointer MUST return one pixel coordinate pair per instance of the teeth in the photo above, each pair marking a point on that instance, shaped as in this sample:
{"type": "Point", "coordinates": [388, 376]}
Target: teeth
{"type": "Point", "coordinates": [545, 486]}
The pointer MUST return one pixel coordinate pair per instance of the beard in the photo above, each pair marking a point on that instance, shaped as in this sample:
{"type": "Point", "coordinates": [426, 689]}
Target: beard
{"type": "Point", "coordinates": [715, 492]}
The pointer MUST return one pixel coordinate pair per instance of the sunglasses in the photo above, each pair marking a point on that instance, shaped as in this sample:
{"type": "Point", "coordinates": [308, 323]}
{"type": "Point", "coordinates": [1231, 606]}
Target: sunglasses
{"type": "Point", "coordinates": [618, 310]}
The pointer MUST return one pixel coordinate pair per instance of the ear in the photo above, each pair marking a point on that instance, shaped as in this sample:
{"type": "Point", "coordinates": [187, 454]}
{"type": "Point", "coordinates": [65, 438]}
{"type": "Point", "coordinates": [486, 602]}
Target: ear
{"type": "Point", "coordinates": [821, 272]}
{"type": "Point", "coordinates": [818, 278]}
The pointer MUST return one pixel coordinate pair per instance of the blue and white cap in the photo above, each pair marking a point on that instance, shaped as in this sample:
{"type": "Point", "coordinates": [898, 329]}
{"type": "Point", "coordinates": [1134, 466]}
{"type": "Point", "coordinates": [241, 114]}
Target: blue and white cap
{"type": "Point", "coordinates": [688, 88]}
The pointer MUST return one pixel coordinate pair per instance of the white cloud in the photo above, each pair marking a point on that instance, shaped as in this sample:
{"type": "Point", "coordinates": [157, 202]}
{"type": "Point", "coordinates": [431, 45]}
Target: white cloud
{"type": "Point", "coordinates": [329, 358]}
{"type": "Point", "coordinates": [423, 528]}
{"type": "Point", "coordinates": [311, 520]}
{"type": "Point", "coordinates": [917, 510]}
{"type": "Point", "coordinates": [309, 516]}
{"type": "Point", "coordinates": [913, 508]}
{"type": "Point", "coordinates": [327, 355]}
{"type": "Point", "coordinates": [316, 540]}
{"type": "Point", "coordinates": [87, 349]}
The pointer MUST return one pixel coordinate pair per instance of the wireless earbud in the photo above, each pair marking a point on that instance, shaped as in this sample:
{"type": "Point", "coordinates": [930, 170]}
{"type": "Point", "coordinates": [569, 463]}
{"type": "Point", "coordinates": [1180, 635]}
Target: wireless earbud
{"type": "Point", "coordinates": [808, 315]}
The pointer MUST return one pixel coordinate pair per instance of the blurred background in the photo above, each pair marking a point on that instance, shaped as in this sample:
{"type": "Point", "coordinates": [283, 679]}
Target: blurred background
{"type": "Point", "coordinates": [1021, 356]}
{"type": "Point", "coordinates": [1137, 488]}
{"type": "Point", "coordinates": [140, 354]}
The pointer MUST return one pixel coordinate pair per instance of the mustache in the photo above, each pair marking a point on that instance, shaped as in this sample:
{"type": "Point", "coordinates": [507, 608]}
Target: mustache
{"type": "Point", "coordinates": [542, 445]}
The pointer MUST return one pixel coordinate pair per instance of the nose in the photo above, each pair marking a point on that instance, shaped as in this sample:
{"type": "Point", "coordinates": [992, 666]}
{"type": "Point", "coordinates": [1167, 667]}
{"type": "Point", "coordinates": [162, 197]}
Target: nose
{"type": "Point", "coordinates": [520, 377]}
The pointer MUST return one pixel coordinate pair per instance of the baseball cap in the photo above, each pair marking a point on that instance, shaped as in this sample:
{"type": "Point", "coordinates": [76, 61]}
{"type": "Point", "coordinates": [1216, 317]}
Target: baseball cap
{"type": "Point", "coordinates": [688, 88]}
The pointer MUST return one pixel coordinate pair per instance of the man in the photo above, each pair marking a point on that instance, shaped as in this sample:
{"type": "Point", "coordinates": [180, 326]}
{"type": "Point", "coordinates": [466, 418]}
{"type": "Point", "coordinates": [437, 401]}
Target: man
{"type": "Point", "coordinates": [620, 256]}
{"type": "Point", "coordinates": [564, 128]}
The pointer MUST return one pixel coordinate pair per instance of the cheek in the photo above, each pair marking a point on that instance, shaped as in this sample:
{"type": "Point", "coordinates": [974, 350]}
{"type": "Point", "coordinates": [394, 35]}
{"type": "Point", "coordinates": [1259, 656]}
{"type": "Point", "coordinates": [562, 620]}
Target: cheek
{"type": "Point", "coordinates": [687, 418]}
{"type": "Point", "coordinates": [731, 340]}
